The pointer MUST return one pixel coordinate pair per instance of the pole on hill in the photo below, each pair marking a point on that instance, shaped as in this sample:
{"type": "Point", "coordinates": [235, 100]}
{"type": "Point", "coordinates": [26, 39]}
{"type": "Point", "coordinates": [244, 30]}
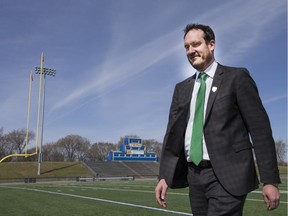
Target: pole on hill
{"type": "Point", "coordinates": [42, 71]}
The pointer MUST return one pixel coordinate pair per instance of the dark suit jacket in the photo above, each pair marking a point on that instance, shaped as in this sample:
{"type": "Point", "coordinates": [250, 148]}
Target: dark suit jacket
{"type": "Point", "coordinates": [234, 114]}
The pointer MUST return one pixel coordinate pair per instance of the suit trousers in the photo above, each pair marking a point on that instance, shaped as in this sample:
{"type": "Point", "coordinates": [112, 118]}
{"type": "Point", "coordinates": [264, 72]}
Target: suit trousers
{"type": "Point", "coordinates": [208, 197]}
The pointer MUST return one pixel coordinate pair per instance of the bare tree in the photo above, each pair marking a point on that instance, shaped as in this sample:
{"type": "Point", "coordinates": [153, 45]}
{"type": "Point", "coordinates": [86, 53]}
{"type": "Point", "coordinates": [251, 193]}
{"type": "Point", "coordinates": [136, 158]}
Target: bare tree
{"type": "Point", "coordinates": [82, 150]}
{"type": "Point", "coordinates": [73, 146]}
{"type": "Point", "coordinates": [281, 150]}
{"type": "Point", "coordinates": [52, 152]}
{"type": "Point", "coordinates": [5, 148]}
{"type": "Point", "coordinates": [153, 146]}
{"type": "Point", "coordinates": [99, 151]}
{"type": "Point", "coordinates": [16, 139]}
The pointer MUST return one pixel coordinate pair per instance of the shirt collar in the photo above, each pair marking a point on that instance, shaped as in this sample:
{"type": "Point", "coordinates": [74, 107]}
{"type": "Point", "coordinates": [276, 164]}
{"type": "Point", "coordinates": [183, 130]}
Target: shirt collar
{"type": "Point", "coordinates": [210, 71]}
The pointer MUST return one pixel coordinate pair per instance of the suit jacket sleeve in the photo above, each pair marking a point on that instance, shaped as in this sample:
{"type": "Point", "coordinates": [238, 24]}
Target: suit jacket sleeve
{"type": "Point", "coordinates": [173, 164]}
{"type": "Point", "coordinates": [258, 125]}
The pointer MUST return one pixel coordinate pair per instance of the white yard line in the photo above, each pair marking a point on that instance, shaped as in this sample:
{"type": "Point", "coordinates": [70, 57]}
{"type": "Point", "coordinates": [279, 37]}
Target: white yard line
{"type": "Point", "coordinates": [174, 193]}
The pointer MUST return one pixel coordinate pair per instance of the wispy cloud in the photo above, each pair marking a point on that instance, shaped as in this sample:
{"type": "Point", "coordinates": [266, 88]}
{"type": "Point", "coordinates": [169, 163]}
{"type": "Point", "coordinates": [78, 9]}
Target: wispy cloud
{"type": "Point", "coordinates": [111, 74]}
{"type": "Point", "coordinates": [241, 27]}
{"type": "Point", "coordinates": [276, 98]}
{"type": "Point", "coordinates": [246, 27]}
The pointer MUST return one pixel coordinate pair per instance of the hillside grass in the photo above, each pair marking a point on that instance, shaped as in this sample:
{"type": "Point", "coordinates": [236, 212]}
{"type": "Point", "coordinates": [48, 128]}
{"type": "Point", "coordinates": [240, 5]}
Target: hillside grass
{"type": "Point", "coordinates": [11, 170]}
{"type": "Point", "coordinates": [56, 169]}
{"type": "Point", "coordinates": [17, 170]}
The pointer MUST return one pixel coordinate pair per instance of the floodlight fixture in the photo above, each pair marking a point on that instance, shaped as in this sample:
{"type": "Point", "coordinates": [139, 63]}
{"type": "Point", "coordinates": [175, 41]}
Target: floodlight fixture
{"type": "Point", "coordinates": [45, 71]}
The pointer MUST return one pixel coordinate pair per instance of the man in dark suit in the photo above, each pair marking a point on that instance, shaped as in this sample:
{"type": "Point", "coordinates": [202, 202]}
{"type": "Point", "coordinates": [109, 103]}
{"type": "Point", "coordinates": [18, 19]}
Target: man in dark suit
{"type": "Point", "coordinates": [234, 123]}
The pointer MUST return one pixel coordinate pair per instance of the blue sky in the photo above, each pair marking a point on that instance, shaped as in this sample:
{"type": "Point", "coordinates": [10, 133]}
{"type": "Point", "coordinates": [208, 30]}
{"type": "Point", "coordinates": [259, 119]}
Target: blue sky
{"type": "Point", "coordinates": [118, 61]}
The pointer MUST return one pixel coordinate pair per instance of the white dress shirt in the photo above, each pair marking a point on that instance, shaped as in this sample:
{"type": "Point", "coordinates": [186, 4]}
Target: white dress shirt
{"type": "Point", "coordinates": [210, 71]}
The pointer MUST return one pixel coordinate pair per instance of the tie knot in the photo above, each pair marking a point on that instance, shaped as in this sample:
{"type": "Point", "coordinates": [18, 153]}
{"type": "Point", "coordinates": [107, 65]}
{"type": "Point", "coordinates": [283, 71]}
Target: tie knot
{"type": "Point", "coordinates": [202, 76]}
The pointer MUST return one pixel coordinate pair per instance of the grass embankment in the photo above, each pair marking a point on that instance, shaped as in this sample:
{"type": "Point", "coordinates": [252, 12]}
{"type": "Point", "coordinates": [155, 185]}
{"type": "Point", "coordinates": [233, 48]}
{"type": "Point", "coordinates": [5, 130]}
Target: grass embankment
{"type": "Point", "coordinates": [16, 170]}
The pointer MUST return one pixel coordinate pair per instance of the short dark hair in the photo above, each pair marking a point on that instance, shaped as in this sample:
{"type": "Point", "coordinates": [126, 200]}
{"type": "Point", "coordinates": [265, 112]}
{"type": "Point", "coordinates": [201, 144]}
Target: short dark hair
{"type": "Point", "coordinates": [208, 32]}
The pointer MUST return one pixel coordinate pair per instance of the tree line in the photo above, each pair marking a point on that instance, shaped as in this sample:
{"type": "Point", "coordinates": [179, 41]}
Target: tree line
{"type": "Point", "coordinates": [77, 148]}
{"type": "Point", "coordinates": [70, 148]}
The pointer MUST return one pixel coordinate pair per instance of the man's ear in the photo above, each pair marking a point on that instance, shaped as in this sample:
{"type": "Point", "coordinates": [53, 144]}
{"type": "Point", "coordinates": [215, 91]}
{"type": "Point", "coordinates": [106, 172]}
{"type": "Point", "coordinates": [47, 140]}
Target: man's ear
{"type": "Point", "coordinates": [212, 45]}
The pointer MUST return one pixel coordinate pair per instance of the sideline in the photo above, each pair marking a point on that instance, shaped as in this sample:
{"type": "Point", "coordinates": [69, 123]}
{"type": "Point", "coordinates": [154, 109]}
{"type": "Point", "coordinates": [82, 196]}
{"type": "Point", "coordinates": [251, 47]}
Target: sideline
{"type": "Point", "coordinates": [101, 200]}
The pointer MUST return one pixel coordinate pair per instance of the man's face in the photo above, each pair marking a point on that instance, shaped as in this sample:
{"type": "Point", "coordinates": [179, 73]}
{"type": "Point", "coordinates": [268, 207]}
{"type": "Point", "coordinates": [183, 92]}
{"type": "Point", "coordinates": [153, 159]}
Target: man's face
{"type": "Point", "coordinates": [199, 53]}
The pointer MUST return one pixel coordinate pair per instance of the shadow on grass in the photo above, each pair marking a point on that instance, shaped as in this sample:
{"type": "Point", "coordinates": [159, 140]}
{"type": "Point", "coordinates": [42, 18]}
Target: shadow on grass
{"type": "Point", "coordinates": [59, 168]}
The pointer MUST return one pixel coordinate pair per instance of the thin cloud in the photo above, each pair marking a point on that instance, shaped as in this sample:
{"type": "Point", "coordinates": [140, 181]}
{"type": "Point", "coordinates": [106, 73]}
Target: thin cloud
{"type": "Point", "coordinates": [253, 21]}
{"type": "Point", "coordinates": [276, 98]}
{"type": "Point", "coordinates": [114, 72]}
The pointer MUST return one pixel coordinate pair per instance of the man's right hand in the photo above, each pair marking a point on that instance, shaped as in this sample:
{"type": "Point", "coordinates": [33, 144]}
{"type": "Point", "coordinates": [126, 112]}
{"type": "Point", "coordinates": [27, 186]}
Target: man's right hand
{"type": "Point", "coordinates": [160, 192]}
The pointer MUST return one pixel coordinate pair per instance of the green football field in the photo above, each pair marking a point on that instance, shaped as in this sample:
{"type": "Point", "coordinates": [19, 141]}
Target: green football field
{"type": "Point", "coordinates": [111, 198]}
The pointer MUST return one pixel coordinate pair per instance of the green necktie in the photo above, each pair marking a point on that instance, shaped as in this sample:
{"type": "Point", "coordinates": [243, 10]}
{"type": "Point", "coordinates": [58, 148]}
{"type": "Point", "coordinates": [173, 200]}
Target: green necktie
{"type": "Point", "coordinates": [197, 131]}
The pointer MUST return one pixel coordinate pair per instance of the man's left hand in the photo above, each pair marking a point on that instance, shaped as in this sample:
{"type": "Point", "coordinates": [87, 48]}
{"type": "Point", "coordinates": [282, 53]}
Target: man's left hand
{"type": "Point", "coordinates": [271, 196]}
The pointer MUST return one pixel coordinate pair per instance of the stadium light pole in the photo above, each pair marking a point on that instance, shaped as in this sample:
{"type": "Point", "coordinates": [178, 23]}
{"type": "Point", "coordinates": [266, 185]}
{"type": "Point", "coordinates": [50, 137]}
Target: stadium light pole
{"type": "Point", "coordinates": [45, 72]}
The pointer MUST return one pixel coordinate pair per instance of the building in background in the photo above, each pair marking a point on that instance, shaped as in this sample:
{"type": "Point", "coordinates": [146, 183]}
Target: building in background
{"type": "Point", "coordinates": [132, 150]}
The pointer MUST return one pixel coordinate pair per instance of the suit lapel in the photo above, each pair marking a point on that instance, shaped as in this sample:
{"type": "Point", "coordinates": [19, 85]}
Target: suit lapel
{"type": "Point", "coordinates": [189, 86]}
{"type": "Point", "coordinates": [214, 90]}
{"type": "Point", "coordinates": [184, 100]}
